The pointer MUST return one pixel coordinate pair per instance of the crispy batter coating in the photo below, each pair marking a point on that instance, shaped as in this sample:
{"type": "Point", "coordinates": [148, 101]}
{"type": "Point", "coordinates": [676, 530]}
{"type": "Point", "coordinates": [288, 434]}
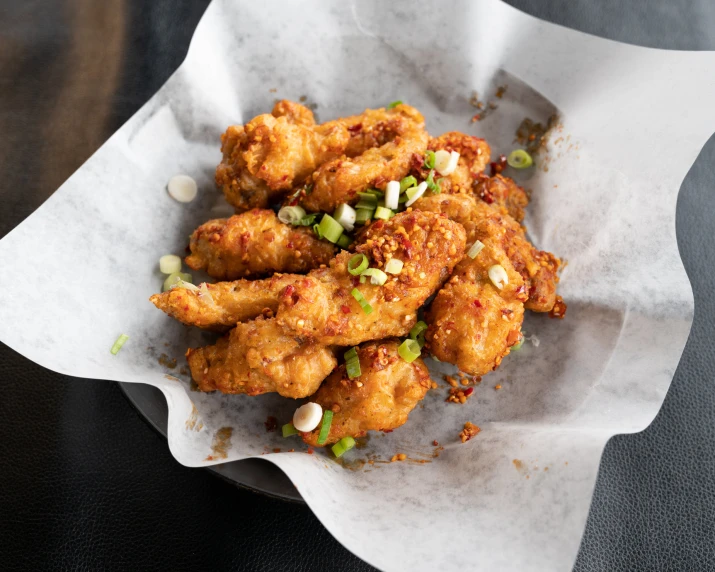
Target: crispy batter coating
{"type": "Point", "coordinates": [474, 156]}
{"type": "Point", "coordinates": [222, 305]}
{"type": "Point", "coordinates": [259, 357]}
{"type": "Point", "coordinates": [321, 306]}
{"type": "Point", "coordinates": [339, 180]}
{"type": "Point", "coordinates": [472, 322]}
{"type": "Point", "coordinates": [255, 243]}
{"type": "Point", "coordinates": [380, 399]}
{"type": "Point", "coordinates": [294, 112]}
{"type": "Point", "coordinates": [374, 127]}
{"type": "Point", "coordinates": [504, 192]}
{"type": "Point", "coordinates": [270, 155]}
{"type": "Point", "coordinates": [538, 268]}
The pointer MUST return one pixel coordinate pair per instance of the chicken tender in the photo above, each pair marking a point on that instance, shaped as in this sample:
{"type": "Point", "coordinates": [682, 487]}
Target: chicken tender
{"type": "Point", "coordinates": [538, 268]}
{"type": "Point", "coordinates": [269, 156]}
{"type": "Point", "coordinates": [339, 180]}
{"type": "Point", "coordinates": [321, 306]}
{"type": "Point", "coordinates": [255, 243]}
{"type": "Point", "coordinates": [221, 306]}
{"type": "Point", "coordinates": [474, 154]}
{"type": "Point", "coordinates": [259, 357]}
{"type": "Point", "coordinates": [380, 399]}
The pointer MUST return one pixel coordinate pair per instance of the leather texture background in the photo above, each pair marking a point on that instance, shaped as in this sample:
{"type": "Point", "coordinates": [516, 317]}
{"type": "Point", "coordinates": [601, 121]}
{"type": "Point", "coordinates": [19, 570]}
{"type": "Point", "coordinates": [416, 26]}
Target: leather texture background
{"type": "Point", "coordinates": [85, 484]}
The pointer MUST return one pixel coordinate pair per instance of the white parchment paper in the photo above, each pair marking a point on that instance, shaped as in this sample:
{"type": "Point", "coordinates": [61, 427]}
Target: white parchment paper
{"type": "Point", "coordinates": [79, 271]}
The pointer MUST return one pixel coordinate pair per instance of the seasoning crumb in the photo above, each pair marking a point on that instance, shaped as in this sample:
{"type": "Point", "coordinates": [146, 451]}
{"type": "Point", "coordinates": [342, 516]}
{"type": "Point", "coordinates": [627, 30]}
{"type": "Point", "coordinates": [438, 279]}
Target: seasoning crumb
{"type": "Point", "coordinates": [497, 386]}
{"type": "Point", "coordinates": [501, 90]}
{"type": "Point", "coordinates": [470, 430]}
{"type": "Point", "coordinates": [434, 385]}
{"type": "Point", "coordinates": [435, 443]}
{"type": "Point", "coordinates": [271, 424]}
{"type": "Point", "coordinates": [277, 450]}
{"type": "Point", "coordinates": [398, 457]}
{"type": "Point", "coordinates": [457, 395]}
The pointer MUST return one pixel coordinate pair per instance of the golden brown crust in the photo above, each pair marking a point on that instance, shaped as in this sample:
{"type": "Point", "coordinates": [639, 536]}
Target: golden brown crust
{"type": "Point", "coordinates": [294, 112]}
{"type": "Point", "coordinates": [379, 399]}
{"type": "Point", "coordinates": [321, 306]}
{"type": "Point", "coordinates": [504, 192]}
{"type": "Point", "coordinates": [255, 243]}
{"type": "Point", "coordinates": [474, 156]}
{"type": "Point", "coordinates": [259, 357]}
{"type": "Point", "coordinates": [224, 304]}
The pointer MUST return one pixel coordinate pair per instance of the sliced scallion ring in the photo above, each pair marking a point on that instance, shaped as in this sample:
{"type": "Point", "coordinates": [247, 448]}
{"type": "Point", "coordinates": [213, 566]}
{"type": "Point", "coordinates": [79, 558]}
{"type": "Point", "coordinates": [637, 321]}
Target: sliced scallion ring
{"type": "Point", "coordinates": [289, 429]}
{"type": "Point", "coordinates": [415, 193]}
{"type": "Point", "coordinates": [169, 263]}
{"type": "Point", "coordinates": [394, 266]}
{"type": "Point", "coordinates": [176, 279]}
{"type": "Point", "coordinates": [429, 160]}
{"type": "Point", "coordinates": [363, 215]}
{"type": "Point", "coordinates": [325, 427]}
{"type": "Point", "coordinates": [350, 354]}
{"type": "Point", "coordinates": [352, 367]}
{"type": "Point", "coordinates": [307, 220]}
{"type": "Point", "coordinates": [519, 159]}
{"type": "Point", "coordinates": [377, 276]}
{"type": "Point", "coordinates": [317, 231]}
{"type": "Point", "coordinates": [343, 446]}
{"type": "Point", "coordinates": [121, 340]}
{"type": "Point", "coordinates": [392, 195]}
{"type": "Point", "coordinates": [394, 104]}
{"type": "Point", "coordinates": [517, 346]}
{"type": "Point", "coordinates": [345, 215]}
{"type": "Point", "coordinates": [291, 215]}
{"type": "Point", "coordinates": [431, 185]}
{"type": "Point", "coordinates": [383, 213]}
{"type": "Point", "coordinates": [407, 182]}
{"type": "Point", "coordinates": [357, 263]}
{"type": "Point", "coordinates": [364, 304]}
{"type": "Point", "coordinates": [475, 249]}
{"type": "Point", "coordinates": [417, 332]}
{"type": "Point", "coordinates": [330, 229]}
{"type": "Point", "coordinates": [344, 241]}
{"type": "Point", "coordinates": [409, 350]}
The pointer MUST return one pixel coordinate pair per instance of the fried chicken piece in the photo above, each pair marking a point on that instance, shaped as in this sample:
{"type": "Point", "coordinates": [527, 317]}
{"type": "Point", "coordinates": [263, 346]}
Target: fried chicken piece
{"type": "Point", "coordinates": [375, 127]}
{"type": "Point", "coordinates": [380, 399]}
{"type": "Point", "coordinates": [294, 112]}
{"type": "Point", "coordinates": [269, 156]}
{"type": "Point", "coordinates": [321, 306]}
{"type": "Point", "coordinates": [255, 243]}
{"type": "Point", "coordinates": [339, 180]}
{"type": "Point", "coordinates": [503, 192]}
{"type": "Point", "coordinates": [538, 268]}
{"type": "Point", "coordinates": [474, 156]}
{"type": "Point", "coordinates": [221, 306]}
{"type": "Point", "coordinates": [259, 357]}
{"type": "Point", "coordinates": [472, 322]}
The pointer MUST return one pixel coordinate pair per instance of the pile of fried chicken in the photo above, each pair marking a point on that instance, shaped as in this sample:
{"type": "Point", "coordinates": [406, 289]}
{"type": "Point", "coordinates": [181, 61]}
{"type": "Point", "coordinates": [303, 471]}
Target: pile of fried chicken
{"type": "Point", "coordinates": [283, 296]}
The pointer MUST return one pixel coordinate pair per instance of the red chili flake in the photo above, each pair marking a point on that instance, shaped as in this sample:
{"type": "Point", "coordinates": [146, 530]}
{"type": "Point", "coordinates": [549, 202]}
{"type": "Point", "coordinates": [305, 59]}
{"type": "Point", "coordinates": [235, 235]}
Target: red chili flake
{"type": "Point", "coordinates": [345, 309]}
{"type": "Point", "coordinates": [407, 245]}
{"type": "Point", "coordinates": [271, 423]}
{"type": "Point", "coordinates": [355, 128]}
{"type": "Point", "coordinates": [498, 166]}
{"type": "Point", "coordinates": [310, 450]}
{"type": "Point", "coordinates": [468, 391]}
{"type": "Point", "coordinates": [355, 280]}
{"type": "Point", "coordinates": [477, 303]}
{"type": "Point", "coordinates": [476, 117]}
{"type": "Point", "coordinates": [387, 430]}
{"type": "Point", "coordinates": [289, 290]}
{"type": "Point", "coordinates": [290, 244]}
{"type": "Point", "coordinates": [186, 308]}
{"type": "Point", "coordinates": [486, 196]}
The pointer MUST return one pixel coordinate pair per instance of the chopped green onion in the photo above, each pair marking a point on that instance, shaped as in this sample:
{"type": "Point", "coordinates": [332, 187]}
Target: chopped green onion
{"type": "Point", "coordinates": [475, 249]}
{"type": "Point", "coordinates": [377, 276]}
{"type": "Point", "coordinates": [325, 427]}
{"type": "Point", "coordinates": [317, 231]}
{"type": "Point", "coordinates": [517, 346]}
{"type": "Point", "coordinates": [429, 160]}
{"type": "Point", "coordinates": [169, 264]}
{"type": "Point", "coordinates": [345, 215]}
{"type": "Point", "coordinates": [409, 350]}
{"type": "Point", "coordinates": [307, 220]}
{"type": "Point", "coordinates": [175, 279]}
{"type": "Point", "coordinates": [289, 429]}
{"type": "Point", "coordinates": [330, 229]}
{"type": "Point", "coordinates": [394, 104]}
{"type": "Point", "coordinates": [417, 332]}
{"type": "Point", "coordinates": [363, 215]}
{"type": "Point", "coordinates": [415, 193]}
{"type": "Point", "coordinates": [403, 199]}
{"type": "Point", "coordinates": [361, 300]}
{"type": "Point", "coordinates": [343, 446]}
{"type": "Point", "coordinates": [188, 285]}
{"type": "Point", "coordinates": [357, 263]}
{"type": "Point", "coordinates": [119, 343]}
{"type": "Point", "coordinates": [383, 213]}
{"type": "Point", "coordinates": [352, 366]}
{"type": "Point", "coordinates": [350, 354]}
{"type": "Point", "coordinates": [407, 182]}
{"type": "Point", "coordinates": [431, 185]}
{"type": "Point", "coordinates": [519, 159]}
{"type": "Point", "coordinates": [344, 241]}
{"type": "Point", "coordinates": [367, 201]}
{"type": "Point", "coordinates": [392, 195]}
{"type": "Point", "coordinates": [498, 276]}
{"type": "Point", "coordinates": [291, 215]}
{"type": "Point", "coordinates": [375, 192]}
{"type": "Point", "coordinates": [394, 266]}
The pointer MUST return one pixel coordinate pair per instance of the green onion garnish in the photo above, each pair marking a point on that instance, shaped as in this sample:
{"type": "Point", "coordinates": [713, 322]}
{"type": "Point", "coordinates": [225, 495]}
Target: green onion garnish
{"type": "Point", "coordinates": [169, 264]}
{"type": "Point", "coordinates": [330, 229]}
{"type": "Point", "coordinates": [307, 220]}
{"type": "Point", "coordinates": [289, 429]}
{"type": "Point", "coordinates": [366, 202]}
{"type": "Point", "coordinates": [394, 266]}
{"type": "Point", "coordinates": [417, 333]}
{"type": "Point", "coordinates": [394, 104]}
{"type": "Point", "coordinates": [362, 215]}
{"type": "Point", "coordinates": [407, 182]}
{"type": "Point", "coordinates": [119, 343]}
{"type": "Point", "coordinates": [409, 350]}
{"type": "Point", "coordinates": [361, 300]}
{"type": "Point", "coordinates": [431, 185]}
{"type": "Point", "coordinates": [350, 354]}
{"type": "Point", "coordinates": [176, 279]}
{"type": "Point", "coordinates": [343, 446]}
{"type": "Point", "coordinates": [352, 366]}
{"type": "Point", "coordinates": [475, 249]}
{"type": "Point", "coordinates": [291, 215]}
{"type": "Point", "coordinates": [429, 160]}
{"type": "Point", "coordinates": [377, 276]}
{"type": "Point", "coordinates": [403, 198]}
{"type": "Point", "coordinates": [325, 427]}
{"type": "Point", "coordinates": [517, 346]}
{"type": "Point", "coordinates": [519, 159]}
{"type": "Point", "coordinates": [344, 241]}
{"type": "Point", "coordinates": [379, 194]}
{"type": "Point", "coordinates": [317, 231]}
{"type": "Point", "coordinates": [357, 263]}
{"type": "Point", "coordinates": [345, 215]}
{"type": "Point", "coordinates": [383, 213]}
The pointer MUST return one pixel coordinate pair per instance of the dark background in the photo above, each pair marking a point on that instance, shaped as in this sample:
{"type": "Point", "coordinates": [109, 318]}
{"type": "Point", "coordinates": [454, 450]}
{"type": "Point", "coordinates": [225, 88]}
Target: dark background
{"type": "Point", "coordinates": [87, 485]}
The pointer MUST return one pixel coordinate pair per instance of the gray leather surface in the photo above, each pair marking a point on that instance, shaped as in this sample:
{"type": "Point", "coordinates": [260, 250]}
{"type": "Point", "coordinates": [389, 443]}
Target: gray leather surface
{"type": "Point", "coordinates": [86, 485]}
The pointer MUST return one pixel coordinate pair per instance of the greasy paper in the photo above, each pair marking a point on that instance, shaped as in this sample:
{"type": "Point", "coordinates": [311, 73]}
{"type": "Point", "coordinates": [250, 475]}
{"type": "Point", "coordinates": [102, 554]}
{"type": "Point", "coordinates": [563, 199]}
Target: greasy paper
{"type": "Point", "coordinates": [631, 121]}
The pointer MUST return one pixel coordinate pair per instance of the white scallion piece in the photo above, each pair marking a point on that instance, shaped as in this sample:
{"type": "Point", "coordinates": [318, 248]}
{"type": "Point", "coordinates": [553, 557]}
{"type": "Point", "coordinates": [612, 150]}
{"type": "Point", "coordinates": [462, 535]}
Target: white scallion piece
{"type": "Point", "coordinates": [415, 193]}
{"type": "Point", "coordinates": [392, 195]}
{"type": "Point", "coordinates": [291, 215]}
{"type": "Point", "coordinates": [394, 266]}
{"type": "Point", "coordinates": [498, 276]}
{"type": "Point", "coordinates": [182, 188]}
{"type": "Point", "coordinates": [169, 263]}
{"type": "Point", "coordinates": [307, 417]}
{"type": "Point", "coordinates": [475, 249]}
{"type": "Point", "coordinates": [345, 215]}
{"type": "Point", "coordinates": [445, 162]}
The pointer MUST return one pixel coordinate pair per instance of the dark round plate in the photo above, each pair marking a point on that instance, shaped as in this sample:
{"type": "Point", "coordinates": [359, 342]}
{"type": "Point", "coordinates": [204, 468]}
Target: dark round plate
{"type": "Point", "coordinates": [254, 474]}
